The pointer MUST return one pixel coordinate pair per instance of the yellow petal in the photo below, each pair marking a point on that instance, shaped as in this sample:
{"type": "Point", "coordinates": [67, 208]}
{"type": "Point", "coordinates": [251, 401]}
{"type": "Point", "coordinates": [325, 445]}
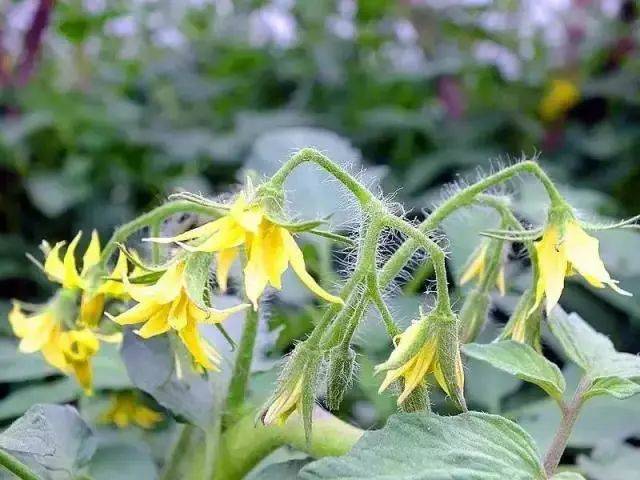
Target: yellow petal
{"type": "Point", "coordinates": [91, 308]}
{"type": "Point", "coordinates": [297, 263]}
{"type": "Point", "coordinates": [500, 282]}
{"type": "Point", "coordinates": [202, 231]}
{"type": "Point", "coordinates": [224, 260]}
{"type": "Point", "coordinates": [71, 279]}
{"type": "Point", "coordinates": [248, 218]}
{"type": "Point", "coordinates": [218, 316]}
{"type": "Point", "coordinates": [255, 275]}
{"type": "Point", "coordinates": [193, 342]}
{"type": "Point", "coordinates": [476, 267]}
{"type": "Point", "coordinates": [53, 266]}
{"type": "Point", "coordinates": [84, 374]}
{"type": "Point", "coordinates": [583, 253]}
{"type": "Point", "coordinates": [53, 354]}
{"type": "Point", "coordinates": [552, 266]}
{"type": "Point", "coordinates": [230, 237]}
{"type": "Point", "coordinates": [275, 254]}
{"type": "Point", "coordinates": [92, 255]}
{"type": "Point", "coordinates": [136, 314]}
{"type": "Point", "coordinates": [178, 312]}
{"type": "Point", "coordinates": [157, 324]}
{"type": "Point", "coordinates": [37, 332]}
{"type": "Point", "coordinates": [165, 290]}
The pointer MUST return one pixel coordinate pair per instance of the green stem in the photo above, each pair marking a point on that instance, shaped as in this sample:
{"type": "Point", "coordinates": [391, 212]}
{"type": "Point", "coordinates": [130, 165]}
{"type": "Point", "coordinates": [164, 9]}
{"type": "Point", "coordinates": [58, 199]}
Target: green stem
{"type": "Point", "coordinates": [16, 467]}
{"type": "Point", "coordinates": [153, 216]}
{"type": "Point", "coordinates": [463, 198]}
{"type": "Point", "coordinates": [364, 196]}
{"type": "Point", "coordinates": [242, 367]}
{"type": "Point", "coordinates": [435, 253]}
{"type": "Point", "coordinates": [381, 306]}
{"type": "Point", "coordinates": [244, 444]}
{"type": "Point", "coordinates": [569, 416]}
{"type": "Point", "coordinates": [175, 465]}
{"type": "Point", "coordinates": [422, 273]}
{"type": "Point", "coordinates": [155, 246]}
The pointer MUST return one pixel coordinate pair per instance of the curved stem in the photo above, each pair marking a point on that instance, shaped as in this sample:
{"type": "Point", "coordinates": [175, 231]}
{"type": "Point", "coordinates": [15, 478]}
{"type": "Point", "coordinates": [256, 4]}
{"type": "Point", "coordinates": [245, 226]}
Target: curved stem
{"type": "Point", "coordinates": [381, 306]}
{"type": "Point", "coordinates": [434, 251]}
{"type": "Point", "coordinates": [16, 467]}
{"type": "Point", "coordinates": [244, 444]}
{"type": "Point", "coordinates": [364, 196]}
{"type": "Point", "coordinates": [153, 216]}
{"type": "Point", "coordinates": [461, 199]}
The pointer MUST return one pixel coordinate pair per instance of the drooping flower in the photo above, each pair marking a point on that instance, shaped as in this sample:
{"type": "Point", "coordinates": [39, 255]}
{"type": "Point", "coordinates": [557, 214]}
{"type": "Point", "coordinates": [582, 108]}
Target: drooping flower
{"type": "Point", "coordinates": [477, 267]}
{"type": "Point", "coordinates": [560, 97]}
{"type": "Point", "coordinates": [126, 409]}
{"type": "Point", "coordinates": [419, 352]}
{"type": "Point", "coordinates": [270, 249]}
{"type": "Point", "coordinates": [566, 248]}
{"type": "Point", "coordinates": [78, 348]}
{"type": "Point", "coordinates": [89, 279]}
{"type": "Point", "coordinates": [284, 405]}
{"type": "Point", "coordinates": [167, 305]}
{"type": "Point", "coordinates": [70, 351]}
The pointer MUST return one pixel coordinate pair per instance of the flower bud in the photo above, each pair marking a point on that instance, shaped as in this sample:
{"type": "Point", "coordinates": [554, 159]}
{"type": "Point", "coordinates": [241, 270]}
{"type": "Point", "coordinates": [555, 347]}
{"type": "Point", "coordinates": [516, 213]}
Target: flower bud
{"type": "Point", "coordinates": [450, 373]}
{"type": "Point", "coordinates": [473, 315]}
{"type": "Point", "coordinates": [342, 362]}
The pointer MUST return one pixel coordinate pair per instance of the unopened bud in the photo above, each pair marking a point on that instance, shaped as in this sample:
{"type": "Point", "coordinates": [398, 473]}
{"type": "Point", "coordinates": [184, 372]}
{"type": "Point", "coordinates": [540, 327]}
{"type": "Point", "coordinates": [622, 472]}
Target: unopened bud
{"type": "Point", "coordinates": [342, 362]}
{"type": "Point", "coordinates": [473, 315]}
{"type": "Point", "coordinates": [524, 324]}
{"type": "Point", "coordinates": [450, 361]}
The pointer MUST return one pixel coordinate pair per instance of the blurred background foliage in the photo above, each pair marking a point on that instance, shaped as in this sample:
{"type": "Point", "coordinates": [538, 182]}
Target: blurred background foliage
{"type": "Point", "coordinates": [108, 106]}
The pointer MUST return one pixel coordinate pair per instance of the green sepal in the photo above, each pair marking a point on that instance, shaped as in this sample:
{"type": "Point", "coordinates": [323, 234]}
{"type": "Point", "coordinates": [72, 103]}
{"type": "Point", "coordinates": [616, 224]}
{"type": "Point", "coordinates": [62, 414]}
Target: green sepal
{"type": "Point", "coordinates": [308, 396]}
{"type": "Point", "coordinates": [342, 361]}
{"type": "Point", "coordinates": [449, 359]}
{"type": "Point", "coordinates": [473, 314]}
{"type": "Point", "coordinates": [418, 399]}
{"type": "Point", "coordinates": [196, 273]}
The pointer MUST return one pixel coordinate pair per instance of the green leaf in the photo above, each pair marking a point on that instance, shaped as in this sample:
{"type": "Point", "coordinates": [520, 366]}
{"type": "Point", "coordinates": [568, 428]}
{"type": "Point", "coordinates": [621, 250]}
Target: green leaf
{"type": "Point", "coordinates": [16, 366]}
{"type": "Point", "coordinates": [611, 461]}
{"type": "Point", "coordinates": [196, 275]}
{"type": "Point", "coordinates": [122, 462]}
{"type": "Point", "coordinates": [421, 445]}
{"type": "Point", "coordinates": [596, 355]}
{"type": "Point", "coordinates": [52, 439]}
{"type": "Point", "coordinates": [282, 471]}
{"type": "Point", "coordinates": [151, 364]}
{"type": "Point", "coordinates": [620, 388]}
{"type": "Point", "coordinates": [58, 391]}
{"type": "Point", "coordinates": [568, 476]}
{"type": "Point", "coordinates": [522, 361]}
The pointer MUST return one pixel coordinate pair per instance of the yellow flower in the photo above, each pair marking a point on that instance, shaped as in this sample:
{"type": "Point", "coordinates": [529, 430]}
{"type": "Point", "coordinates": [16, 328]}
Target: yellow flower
{"type": "Point", "coordinates": [39, 332]}
{"type": "Point", "coordinates": [416, 355]}
{"type": "Point", "coordinates": [65, 272]}
{"type": "Point", "coordinates": [560, 97]}
{"type": "Point", "coordinates": [564, 248]}
{"type": "Point", "coordinates": [270, 249]}
{"type": "Point", "coordinates": [477, 266]}
{"type": "Point", "coordinates": [78, 348]}
{"type": "Point", "coordinates": [167, 305]}
{"type": "Point", "coordinates": [126, 409]}
{"type": "Point", "coordinates": [68, 351]}
{"type": "Point", "coordinates": [283, 406]}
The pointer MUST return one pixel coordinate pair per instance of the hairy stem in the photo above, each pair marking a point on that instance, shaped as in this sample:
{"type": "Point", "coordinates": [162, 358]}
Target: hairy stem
{"type": "Point", "coordinates": [16, 467]}
{"type": "Point", "coordinates": [364, 196]}
{"type": "Point", "coordinates": [462, 199]}
{"type": "Point", "coordinates": [381, 306]}
{"type": "Point", "coordinates": [152, 217]}
{"type": "Point", "coordinates": [569, 416]}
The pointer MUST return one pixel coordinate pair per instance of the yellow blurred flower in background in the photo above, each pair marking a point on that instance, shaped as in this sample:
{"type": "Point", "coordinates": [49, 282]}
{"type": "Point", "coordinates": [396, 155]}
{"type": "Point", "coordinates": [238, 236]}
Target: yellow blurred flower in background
{"type": "Point", "coordinates": [126, 409]}
{"type": "Point", "coordinates": [560, 97]}
{"type": "Point", "coordinates": [477, 266]}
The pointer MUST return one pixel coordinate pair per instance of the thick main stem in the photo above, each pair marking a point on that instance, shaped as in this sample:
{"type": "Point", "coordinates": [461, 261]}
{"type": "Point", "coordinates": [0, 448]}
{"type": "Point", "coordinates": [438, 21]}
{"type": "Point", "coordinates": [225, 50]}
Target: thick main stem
{"type": "Point", "coordinates": [569, 416]}
{"type": "Point", "coordinates": [16, 467]}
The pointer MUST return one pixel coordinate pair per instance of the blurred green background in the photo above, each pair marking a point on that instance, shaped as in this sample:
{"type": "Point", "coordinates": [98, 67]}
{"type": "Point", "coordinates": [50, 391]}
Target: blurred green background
{"type": "Point", "coordinates": [106, 107]}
